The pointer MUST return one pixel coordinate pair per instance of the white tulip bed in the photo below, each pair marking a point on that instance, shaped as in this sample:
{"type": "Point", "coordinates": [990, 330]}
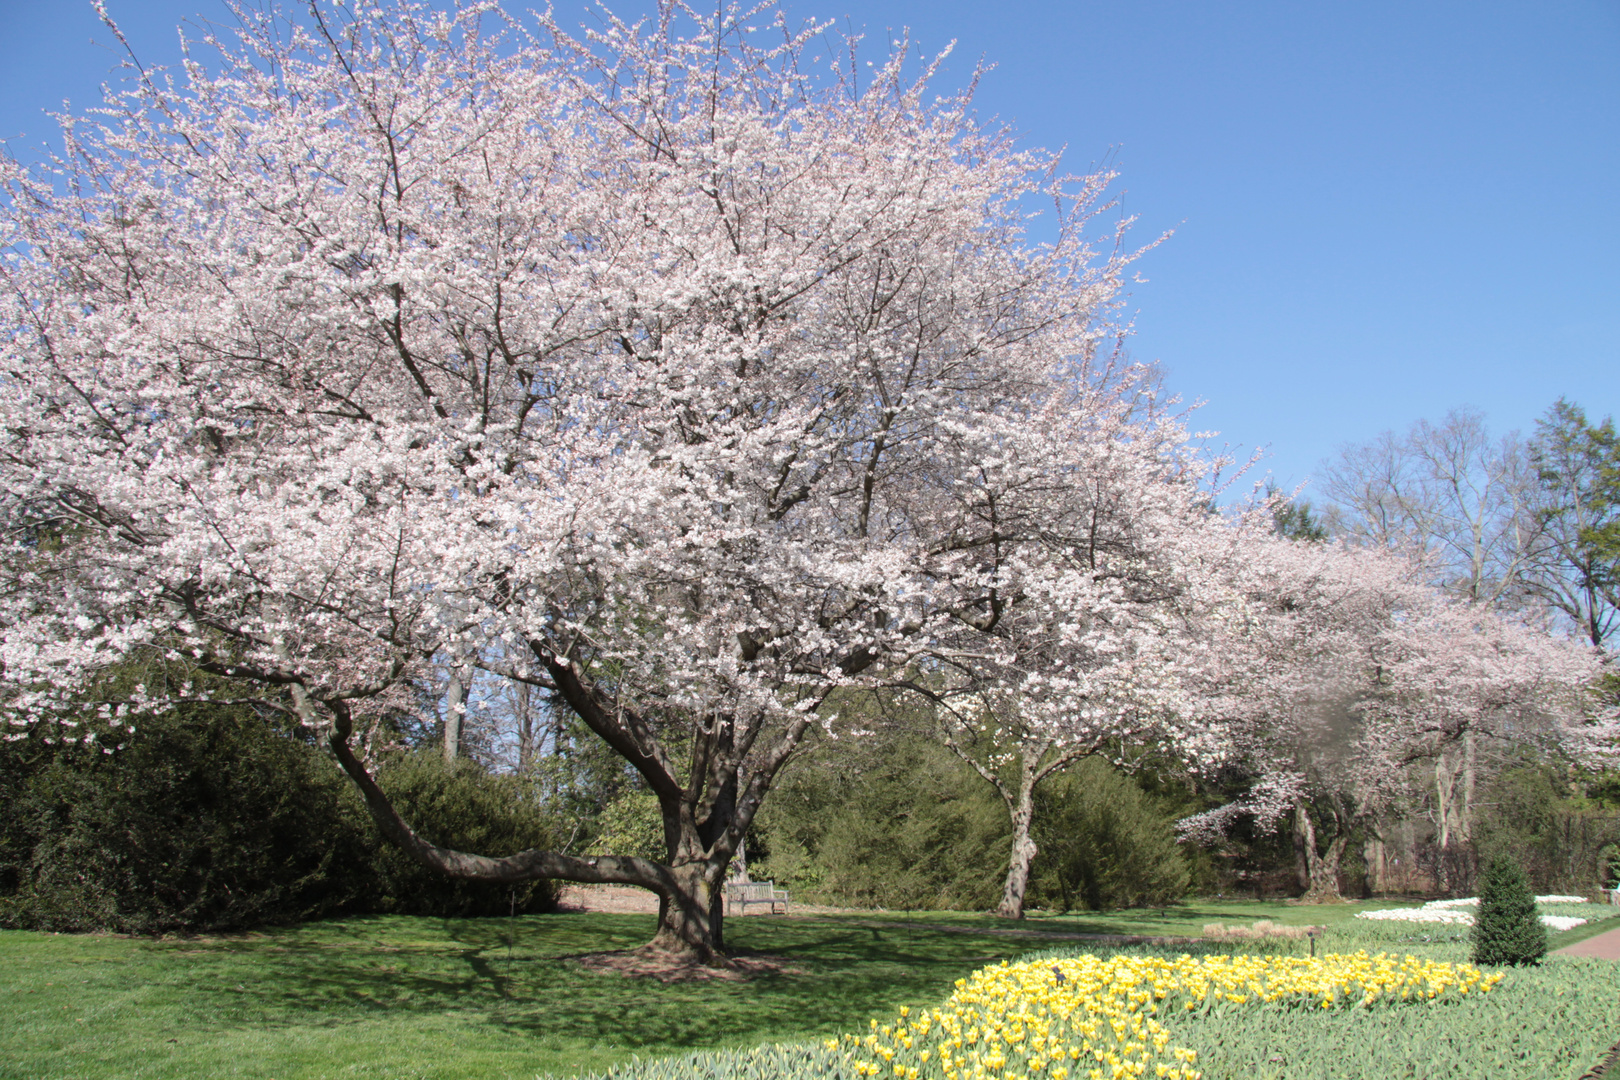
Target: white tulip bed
{"type": "Point", "coordinates": [1449, 912]}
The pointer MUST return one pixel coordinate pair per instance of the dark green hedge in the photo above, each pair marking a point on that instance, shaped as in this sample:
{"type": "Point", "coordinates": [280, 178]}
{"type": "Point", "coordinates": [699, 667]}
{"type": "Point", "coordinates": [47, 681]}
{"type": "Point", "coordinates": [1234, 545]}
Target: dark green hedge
{"type": "Point", "coordinates": [212, 818]}
{"type": "Point", "coordinates": [464, 808]}
{"type": "Point", "coordinates": [898, 821]}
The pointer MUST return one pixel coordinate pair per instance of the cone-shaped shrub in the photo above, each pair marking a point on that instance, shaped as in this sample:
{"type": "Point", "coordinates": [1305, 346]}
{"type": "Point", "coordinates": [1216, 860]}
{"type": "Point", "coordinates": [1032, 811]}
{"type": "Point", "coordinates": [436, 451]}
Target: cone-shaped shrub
{"type": "Point", "coordinates": [1507, 930]}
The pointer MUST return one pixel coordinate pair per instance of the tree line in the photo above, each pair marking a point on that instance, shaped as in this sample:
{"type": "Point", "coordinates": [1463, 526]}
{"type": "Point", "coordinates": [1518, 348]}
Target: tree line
{"type": "Point", "coordinates": [705, 409]}
{"type": "Point", "coordinates": [1529, 527]}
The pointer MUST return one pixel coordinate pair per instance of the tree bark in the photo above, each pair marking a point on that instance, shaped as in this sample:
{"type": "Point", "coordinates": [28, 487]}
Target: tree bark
{"type": "Point", "coordinates": [1325, 874]}
{"type": "Point", "coordinates": [691, 918]}
{"type": "Point", "coordinates": [1444, 785]}
{"type": "Point", "coordinates": [1302, 862]}
{"type": "Point", "coordinates": [1023, 854]}
{"type": "Point", "coordinates": [1465, 818]}
{"type": "Point", "coordinates": [522, 708]}
{"type": "Point", "coordinates": [455, 709]}
{"type": "Point", "coordinates": [1445, 794]}
{"type": "Point", "coordinates": [1322, 866]}
{"type": "Point", "coordinates": [1377, 866]}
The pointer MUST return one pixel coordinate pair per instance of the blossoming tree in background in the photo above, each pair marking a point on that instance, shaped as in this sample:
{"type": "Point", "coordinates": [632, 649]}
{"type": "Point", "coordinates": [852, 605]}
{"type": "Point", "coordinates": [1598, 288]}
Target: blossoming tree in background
{"type": "Point", "coordinates": [1358, 675]}
{"type": "Point", "coordinates": [1120, 578]}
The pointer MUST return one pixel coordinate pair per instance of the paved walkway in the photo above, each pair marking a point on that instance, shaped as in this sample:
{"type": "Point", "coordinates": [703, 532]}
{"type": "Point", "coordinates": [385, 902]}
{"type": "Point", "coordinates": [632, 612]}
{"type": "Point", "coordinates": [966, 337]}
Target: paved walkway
{"type": "Point", "coordinates": [1604, 946]}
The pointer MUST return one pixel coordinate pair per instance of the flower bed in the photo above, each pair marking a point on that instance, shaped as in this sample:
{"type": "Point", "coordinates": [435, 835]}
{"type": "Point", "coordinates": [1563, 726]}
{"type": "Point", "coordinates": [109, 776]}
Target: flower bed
{"type": "Point", "coordinates": [1448, 912]}
{"type": "Point", "coordinates": [1086, 1017]}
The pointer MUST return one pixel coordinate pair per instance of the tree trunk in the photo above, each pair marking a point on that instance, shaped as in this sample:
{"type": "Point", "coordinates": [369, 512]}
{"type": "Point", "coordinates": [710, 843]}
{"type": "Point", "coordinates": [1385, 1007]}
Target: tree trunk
{"type": "Point", "coordinates": [1443, 781]}
{"type": "Point", "coordinates": [1023, 851]}
{"type": "Point", "coordinates": [1322, 866]}
{"type": "Point", "coordinates": [691, 918]}
{"type": "Point", "coordinates": [1304, 837]}
{"type": "Point", "coordinates": [522, 706]}
{"type": "Point", "coordinates": [1325, 874]}
{"type": "Point", "coordinates": [1377, 866]}
{"type": "Point", "coordinates": [1445, 784]}
{"type": "Point", "coordinates": [1465, 817]}
{"type": "Point", "coordinates": [455, 708]}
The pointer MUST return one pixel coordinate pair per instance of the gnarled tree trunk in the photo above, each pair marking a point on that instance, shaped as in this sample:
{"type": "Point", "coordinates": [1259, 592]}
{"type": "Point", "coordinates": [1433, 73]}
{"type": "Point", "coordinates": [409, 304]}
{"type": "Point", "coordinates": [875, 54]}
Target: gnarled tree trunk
{"type": "Point", "coordinates": [691, 917]}
{"type": "Point", "coordinates": [1322, 866]}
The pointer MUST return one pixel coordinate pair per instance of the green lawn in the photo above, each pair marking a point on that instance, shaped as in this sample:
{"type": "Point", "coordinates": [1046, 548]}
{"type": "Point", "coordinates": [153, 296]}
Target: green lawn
{"type": "Point", "coordinates": [1181, 920]}
{"type": "Point", "coordinates": [388, 998]}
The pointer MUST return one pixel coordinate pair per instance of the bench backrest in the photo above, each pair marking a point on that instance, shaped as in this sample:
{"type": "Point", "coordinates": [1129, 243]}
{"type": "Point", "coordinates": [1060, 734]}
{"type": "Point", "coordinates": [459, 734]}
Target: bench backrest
{"type": "Point", "coordinates": [750, 890]}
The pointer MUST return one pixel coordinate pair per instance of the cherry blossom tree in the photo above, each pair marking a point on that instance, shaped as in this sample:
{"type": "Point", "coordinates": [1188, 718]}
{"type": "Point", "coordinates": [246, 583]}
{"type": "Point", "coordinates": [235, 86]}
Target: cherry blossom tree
{"type": "Point", "coordinates": [1359, 673]}
{"type": "Point", "coordinates": [1132, 576]}
{"type": "Point", "coordinates": [1465, 688]}
{"type": "Point", "coordinates": [654, 368]}
{"type": "Point", "coordinates": [1313, 613]}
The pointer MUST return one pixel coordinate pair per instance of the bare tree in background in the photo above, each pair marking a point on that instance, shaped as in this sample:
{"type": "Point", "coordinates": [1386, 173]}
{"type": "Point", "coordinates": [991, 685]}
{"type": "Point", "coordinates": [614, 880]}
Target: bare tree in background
{"type": "Point", "coordinates": [1450, 494]}
{"type": "Point", "coordinates": [1458, 502]}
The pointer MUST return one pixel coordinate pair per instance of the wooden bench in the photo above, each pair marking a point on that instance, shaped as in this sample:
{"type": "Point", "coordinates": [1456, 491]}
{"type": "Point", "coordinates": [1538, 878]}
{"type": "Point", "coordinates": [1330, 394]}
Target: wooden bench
{"type": "Point", "coordinates": [739, 894]}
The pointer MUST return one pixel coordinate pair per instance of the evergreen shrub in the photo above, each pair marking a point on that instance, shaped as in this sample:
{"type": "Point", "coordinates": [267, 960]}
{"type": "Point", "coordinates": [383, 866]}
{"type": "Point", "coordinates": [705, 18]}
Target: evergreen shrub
{"type": "Point", "coordinates": [459, 806]}
{"type": "Point", "coordinates": [898, 821]}
{"type": "Point", "coordinates": [631, 823]}
{"type": "Point", "coordinates": [211, 817]}
{"type": "Point", "coordinates": [1105, 844]}
{"type": "Point", "coordinates": [894, 821]}
{"type": "Point", "coordinates": [205, 818]}
{"type": "Point", "coordinates": [1507, 929]}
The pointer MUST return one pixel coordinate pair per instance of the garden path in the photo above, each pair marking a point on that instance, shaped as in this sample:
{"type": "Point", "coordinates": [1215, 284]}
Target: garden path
{"type": "Point", "coordinates": [1604, 946]}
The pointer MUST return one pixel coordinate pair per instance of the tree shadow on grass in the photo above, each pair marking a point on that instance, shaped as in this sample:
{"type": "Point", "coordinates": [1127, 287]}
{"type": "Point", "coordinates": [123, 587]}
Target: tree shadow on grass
{"type": "Point", "coordinates": [516, 974]}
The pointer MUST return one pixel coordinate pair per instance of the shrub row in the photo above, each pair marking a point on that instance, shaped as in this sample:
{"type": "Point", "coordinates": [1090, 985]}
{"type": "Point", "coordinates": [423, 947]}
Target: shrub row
{"type": "Point", "coordinates": [211, 818]}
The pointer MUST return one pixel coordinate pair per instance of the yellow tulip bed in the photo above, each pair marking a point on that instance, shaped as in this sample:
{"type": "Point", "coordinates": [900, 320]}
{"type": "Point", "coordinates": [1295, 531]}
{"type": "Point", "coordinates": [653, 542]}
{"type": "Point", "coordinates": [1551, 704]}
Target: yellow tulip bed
{"type": "Point", "coordinates": [1087, 1018]}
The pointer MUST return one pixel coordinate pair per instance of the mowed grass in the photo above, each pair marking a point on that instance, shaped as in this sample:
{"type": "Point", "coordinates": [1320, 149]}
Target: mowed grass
{"type": "Point", "coordinates": [1180, 920]}
{"type": "Point", "coordinates": [393, 998]}
{"type": "Point", "coordinates": [397, 998]}
{"type": "Point", "coordinates": [1189, 919]}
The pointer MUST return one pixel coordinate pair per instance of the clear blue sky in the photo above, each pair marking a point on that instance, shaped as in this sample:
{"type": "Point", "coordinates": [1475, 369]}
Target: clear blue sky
{"type": "Point", "coordinates": [1382, 210]}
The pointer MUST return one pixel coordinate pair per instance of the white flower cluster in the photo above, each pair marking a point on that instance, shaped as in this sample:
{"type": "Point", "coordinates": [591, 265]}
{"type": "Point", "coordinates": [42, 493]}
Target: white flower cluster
{"type": "Point", "coordinates": [1424, 914]}
{"type": "Point", "coordinates": [1446, 912]}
